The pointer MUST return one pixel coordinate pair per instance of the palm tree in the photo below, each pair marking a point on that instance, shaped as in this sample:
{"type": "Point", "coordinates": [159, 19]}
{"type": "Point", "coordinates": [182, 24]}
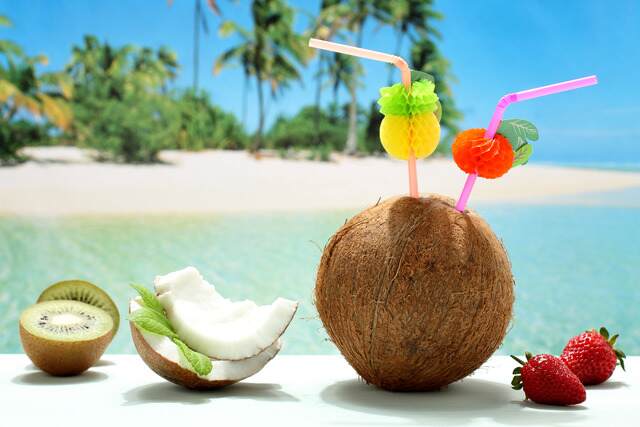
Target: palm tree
{"type": "Point", "coordinates": [109, 72]}
{"type": "Point", "coordinates": [270, 52]}
{"type": "Point", "coordinates": [22, 89]}
{"type": "Point", "coordinates": [332, 17]}
{"type": "Point", "coordinates": [99, 68]}
{"type": "Point", "coordinates": [408, 17]}
{"type": "Point", "coordinates": [360, 10]}
{"type": "Point", "coordinates": [241, 54]}
{"type": "Point", "coordinates": [346, 71]}
{"type": "Point", "coordinates": [199, 21]}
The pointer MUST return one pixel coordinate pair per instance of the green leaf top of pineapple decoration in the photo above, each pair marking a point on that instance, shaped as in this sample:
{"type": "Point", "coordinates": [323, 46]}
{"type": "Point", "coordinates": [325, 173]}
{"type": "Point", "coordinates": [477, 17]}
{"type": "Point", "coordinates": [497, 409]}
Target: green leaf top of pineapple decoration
{"type": "Point", "coordinates": [396, 101]}
{"type": "Point", "coordinates": [519, 133]}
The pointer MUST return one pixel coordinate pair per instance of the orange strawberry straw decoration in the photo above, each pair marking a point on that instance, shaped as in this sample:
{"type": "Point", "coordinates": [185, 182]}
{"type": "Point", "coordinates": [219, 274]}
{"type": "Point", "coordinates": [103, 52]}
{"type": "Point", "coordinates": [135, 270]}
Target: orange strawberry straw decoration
{"type": "Point", "coordinates": [406, 81]}
{"type": "Point", "coordinates": [502, 106]}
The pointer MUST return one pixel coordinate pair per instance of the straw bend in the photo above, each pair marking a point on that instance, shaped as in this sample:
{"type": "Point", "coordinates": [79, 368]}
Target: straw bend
{"type": "Point", "coordinates": [367, 54]}
{"type": "Point", "coordinates": [405, 73]}
{"type": "Point", "coordinates": [510, 98]}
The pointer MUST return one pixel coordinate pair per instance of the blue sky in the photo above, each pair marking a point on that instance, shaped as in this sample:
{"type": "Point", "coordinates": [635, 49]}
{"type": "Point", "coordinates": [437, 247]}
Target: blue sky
{"type": "Point", "coordinates": [495, 47]}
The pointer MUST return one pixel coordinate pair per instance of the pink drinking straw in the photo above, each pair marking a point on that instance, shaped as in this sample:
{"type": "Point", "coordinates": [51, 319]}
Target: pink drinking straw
{"type": "Point", "coordinates": [406, 81]}
{"type": "Point", "coordinates": [502, 106]}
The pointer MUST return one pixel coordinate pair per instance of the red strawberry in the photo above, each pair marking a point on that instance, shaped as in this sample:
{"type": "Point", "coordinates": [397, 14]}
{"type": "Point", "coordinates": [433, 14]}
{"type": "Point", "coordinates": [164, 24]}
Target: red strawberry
{"type": "Point", "coordinates": [546, 379]}
{"type": "Point", "coordinates": [592, 356]}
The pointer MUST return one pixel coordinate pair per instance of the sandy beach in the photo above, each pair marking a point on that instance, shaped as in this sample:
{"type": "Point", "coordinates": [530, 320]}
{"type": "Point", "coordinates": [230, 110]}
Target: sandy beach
{"type": "Point", "coordinates": [66, 181]}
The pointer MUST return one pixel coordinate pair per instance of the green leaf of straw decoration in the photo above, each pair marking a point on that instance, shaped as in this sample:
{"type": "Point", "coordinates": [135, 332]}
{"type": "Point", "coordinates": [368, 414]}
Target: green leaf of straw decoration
{"type": "Point", "coordinates": [519, 132]}
{"type": "Point", "coordinates": [152, 318]}
{"type": "Point", "coordinates": [395, 101]}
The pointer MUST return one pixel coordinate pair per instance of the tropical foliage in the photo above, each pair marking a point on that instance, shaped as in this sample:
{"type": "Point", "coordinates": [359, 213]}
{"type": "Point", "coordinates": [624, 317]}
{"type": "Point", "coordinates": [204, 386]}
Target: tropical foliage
{"type": "Point", "coordinates": [120, 101]}
{"type": "Point", "coordinates": [201, 125]}
{"type": "Point", "coordinates": [269, 52]}
{"type": "Point", "coordinates": [25, 93]}
{"type": "Point", "coordinates": [297, 132]}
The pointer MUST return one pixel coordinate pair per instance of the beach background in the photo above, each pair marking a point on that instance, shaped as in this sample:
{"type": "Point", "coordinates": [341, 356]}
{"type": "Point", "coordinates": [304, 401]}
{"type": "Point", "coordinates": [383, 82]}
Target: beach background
{"type": "Point", "coordinates": [255, 223]}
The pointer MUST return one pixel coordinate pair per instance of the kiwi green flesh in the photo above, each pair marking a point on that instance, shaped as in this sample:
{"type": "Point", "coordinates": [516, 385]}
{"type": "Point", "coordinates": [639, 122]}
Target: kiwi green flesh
{"type": "Point", "coordinates": [66, 321]}
{"type": "Point", "coordinates": [83, 291]}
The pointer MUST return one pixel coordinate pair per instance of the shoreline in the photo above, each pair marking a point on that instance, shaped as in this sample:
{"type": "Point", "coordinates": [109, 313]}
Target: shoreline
{"type": "Point", "coordinates": [63, 181]}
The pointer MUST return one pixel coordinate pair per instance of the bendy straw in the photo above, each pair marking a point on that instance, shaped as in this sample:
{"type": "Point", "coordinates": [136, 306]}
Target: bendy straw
{"type": "Point", "coordinates": [511, 98]}
{"type": "Point", "coordinates": [406, 81]}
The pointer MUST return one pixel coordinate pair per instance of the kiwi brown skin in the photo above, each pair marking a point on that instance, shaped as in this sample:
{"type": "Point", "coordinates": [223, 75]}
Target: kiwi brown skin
{"type": "Point", "coordinates": [170, 370]}
{"type": "Point", "coordinates": [64, 358]}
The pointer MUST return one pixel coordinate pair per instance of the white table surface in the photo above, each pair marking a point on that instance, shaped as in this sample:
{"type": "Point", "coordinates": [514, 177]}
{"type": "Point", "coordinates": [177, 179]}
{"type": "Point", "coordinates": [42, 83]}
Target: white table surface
{"type": "Point", "coordinates": [292, 391]}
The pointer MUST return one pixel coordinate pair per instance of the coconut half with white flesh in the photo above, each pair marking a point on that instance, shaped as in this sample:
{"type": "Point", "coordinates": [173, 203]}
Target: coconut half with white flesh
{"type": "Point", "coordinates": [164, 358]}
{"type": "Point", "coordinates": [215, 326]}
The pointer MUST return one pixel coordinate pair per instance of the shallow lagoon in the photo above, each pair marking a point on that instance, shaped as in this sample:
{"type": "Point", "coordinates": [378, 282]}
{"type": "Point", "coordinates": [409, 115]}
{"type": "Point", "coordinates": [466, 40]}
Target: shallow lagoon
{"type": "Point", "coordinates": [575, 266]}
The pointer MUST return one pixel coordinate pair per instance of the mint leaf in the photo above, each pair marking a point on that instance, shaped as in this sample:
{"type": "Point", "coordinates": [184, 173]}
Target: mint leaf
{"type": "Point", "coordinates": [151, 317]}
{"type": "Point", "coordinates": [522, 155]}
{"type": "Point", "coordinates": [149, 299]}
{"type": "Point", "coordinates": [421, 75]}
{"type": "Point", "coordinates": [200, 363]}
{"type": "Point", "coordinates": [151, 321]}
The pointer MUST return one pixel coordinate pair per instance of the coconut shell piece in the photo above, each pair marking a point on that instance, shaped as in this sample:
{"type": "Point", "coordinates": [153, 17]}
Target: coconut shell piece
{"type": "Point", "coordinates": [170, 370]}
{"type": "Point", "coordinates": [415, 294]}
{"type": "Point", "coordinates": [173, 372]}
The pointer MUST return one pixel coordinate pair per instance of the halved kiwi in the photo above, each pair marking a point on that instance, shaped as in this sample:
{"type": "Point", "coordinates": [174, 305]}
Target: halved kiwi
{"type": "Point", "coordinates": [65, 337]}
{"type": "Point", "coordinates": [83, 291]}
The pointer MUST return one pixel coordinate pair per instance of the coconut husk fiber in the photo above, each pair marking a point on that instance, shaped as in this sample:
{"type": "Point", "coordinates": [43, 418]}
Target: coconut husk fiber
{"type": "Point", "coordinates": [415, 294]}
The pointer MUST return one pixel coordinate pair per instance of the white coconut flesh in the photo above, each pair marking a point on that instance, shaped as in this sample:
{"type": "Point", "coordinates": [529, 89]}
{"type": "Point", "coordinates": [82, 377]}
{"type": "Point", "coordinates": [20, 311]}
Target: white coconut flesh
{"type": "Point", "coordinates": [223, 370]}
{"type": "Point", "coordinates": [215, 326]}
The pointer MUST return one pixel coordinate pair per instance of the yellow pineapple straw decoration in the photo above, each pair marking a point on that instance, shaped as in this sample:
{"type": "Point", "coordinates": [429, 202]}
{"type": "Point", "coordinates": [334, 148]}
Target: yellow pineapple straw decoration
{"type": "Point", "coordinates": [411, 123]}
{"type": "Point", "coordinates": [411, 127]}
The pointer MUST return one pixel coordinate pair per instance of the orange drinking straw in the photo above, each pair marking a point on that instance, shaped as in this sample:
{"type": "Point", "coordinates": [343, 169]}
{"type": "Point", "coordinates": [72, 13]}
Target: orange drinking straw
{"type": "Point", "coordinates": [406, 81]}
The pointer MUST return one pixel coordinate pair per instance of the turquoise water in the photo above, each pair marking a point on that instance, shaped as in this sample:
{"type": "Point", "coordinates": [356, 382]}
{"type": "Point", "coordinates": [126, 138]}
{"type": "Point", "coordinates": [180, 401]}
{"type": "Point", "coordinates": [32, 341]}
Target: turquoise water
{"type": "Point", "coordinates": [575, 266]}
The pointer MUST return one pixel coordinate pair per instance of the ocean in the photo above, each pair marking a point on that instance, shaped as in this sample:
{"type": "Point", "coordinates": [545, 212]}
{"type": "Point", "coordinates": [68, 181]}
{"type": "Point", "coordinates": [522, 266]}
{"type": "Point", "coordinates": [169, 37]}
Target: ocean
{"type": "Point", "coordinates": [576, 265]}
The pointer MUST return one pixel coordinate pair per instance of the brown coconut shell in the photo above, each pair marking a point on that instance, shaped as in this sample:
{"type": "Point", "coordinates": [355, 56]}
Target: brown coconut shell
{"type": "Point", "coordinates": [170, 370]}
{"type": "Point", "coordinates": [415, 294]}
{"type": "Point", "coordinates": [64, 358]}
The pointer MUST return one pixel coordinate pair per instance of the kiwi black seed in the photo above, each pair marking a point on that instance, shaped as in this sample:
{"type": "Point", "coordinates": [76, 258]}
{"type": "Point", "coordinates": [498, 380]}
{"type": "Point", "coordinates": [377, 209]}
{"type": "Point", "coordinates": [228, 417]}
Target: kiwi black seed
{"type": "Point", "coordinates": [83, 291]}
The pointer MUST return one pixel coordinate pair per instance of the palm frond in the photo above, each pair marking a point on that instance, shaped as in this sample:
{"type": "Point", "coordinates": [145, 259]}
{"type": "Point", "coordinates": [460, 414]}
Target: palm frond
{"type": "Point", "coordinates": [5, 21]}
{"type": "Point", "coordinates": [227, 58]}
{"type": "Point", "coordinates": [56, 110]}
{"type": "Point", "coordinates": [7, 90]}
{"type": "Point", "coordinates": [28, 103]}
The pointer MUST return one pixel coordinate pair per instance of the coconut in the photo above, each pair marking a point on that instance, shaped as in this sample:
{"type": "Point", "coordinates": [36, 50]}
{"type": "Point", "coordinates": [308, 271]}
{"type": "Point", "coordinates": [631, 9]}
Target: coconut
{"type": "Point", "coordinates": [163, 357]}
{"type": "Point", "coordinates": [415, 294]}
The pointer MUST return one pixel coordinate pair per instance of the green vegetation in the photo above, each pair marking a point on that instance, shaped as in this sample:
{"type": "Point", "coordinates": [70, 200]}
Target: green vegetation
{"type": "Point", "coordinates": [269, 52]}
{"type": "Point", "coordinates": [306, 128]}
{"type": "Point", "coordinates": [120, 101]}
{"type": "Point", "coordinates": [26, 93]}
{"type": "Point", "coordinates": [123, 109]}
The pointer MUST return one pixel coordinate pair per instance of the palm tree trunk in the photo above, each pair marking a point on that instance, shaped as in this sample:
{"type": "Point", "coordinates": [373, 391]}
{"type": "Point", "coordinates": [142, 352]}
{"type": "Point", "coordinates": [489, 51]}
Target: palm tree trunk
{"type": "Point", "coordinates": [352, 136]}
{"type": "Point", "coordinates": [318, 98]}
{"type": "Point", "coordinates": [196, 44]}
{"type": "Point", "coordinates": [245, 101]}
{"type": "Point", "coordinates": [257, 144]}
